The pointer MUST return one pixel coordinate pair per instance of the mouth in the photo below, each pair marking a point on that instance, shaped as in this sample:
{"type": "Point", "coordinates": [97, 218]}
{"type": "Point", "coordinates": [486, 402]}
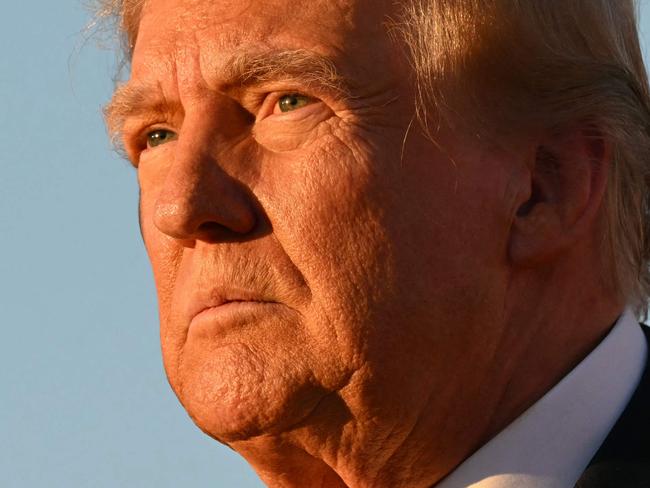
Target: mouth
{"type": "Point", "coordinates": [232, 313]}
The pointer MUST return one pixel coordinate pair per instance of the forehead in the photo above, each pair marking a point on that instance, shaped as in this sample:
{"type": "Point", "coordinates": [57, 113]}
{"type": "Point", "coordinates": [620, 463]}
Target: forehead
{"type": "Point", "coordinates": [343, 30]}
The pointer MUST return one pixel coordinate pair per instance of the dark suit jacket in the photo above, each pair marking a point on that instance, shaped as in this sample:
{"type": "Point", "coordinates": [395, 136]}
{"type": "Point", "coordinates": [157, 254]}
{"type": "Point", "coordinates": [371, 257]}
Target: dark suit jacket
{"type": "Point", "coordinates": [623, 461]}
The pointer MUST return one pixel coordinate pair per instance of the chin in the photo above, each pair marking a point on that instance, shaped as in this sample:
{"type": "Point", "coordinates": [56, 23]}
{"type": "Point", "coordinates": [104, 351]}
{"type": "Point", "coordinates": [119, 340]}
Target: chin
{"type": "Point", "coordinates": [232, 394]}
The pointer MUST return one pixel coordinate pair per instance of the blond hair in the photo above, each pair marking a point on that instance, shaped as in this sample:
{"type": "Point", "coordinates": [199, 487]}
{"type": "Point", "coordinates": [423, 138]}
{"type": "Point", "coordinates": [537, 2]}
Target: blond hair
{"type": "Point", "coordinates": [551, 62]}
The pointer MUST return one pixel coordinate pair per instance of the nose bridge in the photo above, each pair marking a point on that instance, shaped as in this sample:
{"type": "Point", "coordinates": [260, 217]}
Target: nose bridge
{"type": "Point", "coordinates": [198, 190]}
{"type": "Point", "coordinates": [213, 122]}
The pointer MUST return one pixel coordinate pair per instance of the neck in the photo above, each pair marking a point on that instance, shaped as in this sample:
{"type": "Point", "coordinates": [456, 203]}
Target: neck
{"type": "Point", "coordinates": [540, 336]}
{"type": "Point", "coordinates": [549, 334]}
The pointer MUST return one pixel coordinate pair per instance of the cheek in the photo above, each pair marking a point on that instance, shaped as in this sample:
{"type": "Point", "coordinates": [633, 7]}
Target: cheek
{"type": "Point", "coordinates": [163, 251]}
{"type": "Point", "coordinates": [327, 210]}
{"type": "Point", "coordinates": [451, 228]}
{"type": "Point", "coordinates": [165, 255]}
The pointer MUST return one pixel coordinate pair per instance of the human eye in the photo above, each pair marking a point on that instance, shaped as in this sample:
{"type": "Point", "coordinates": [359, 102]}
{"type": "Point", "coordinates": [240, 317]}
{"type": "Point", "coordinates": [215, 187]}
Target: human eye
{"type": "Point", "coordinates": [159, 136]}
{"type": "Point", "coordinates": [290, 102]}
{"type": "Point", "coordinates": [288, 105]}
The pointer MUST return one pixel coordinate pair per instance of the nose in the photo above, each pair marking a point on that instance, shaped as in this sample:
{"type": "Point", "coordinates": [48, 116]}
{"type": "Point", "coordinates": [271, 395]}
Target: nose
{"type": "Point", "coordinates": [199, 200]}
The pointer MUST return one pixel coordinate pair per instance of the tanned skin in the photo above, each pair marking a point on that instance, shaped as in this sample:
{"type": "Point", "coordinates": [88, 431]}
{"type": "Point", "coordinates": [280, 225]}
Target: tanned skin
{"type": "Point", "coordinates": [342, 301]}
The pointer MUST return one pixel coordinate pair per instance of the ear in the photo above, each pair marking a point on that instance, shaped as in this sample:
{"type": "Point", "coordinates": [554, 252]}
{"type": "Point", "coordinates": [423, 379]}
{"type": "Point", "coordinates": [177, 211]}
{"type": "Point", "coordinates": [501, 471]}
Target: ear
{"type": "Point", "coordinates": [566, 187]}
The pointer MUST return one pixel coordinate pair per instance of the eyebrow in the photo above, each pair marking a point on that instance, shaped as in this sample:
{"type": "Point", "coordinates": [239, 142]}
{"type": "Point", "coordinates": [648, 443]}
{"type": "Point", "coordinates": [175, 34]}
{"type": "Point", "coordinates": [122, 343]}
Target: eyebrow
{"type": "Point", "coordinates": [241, 70]}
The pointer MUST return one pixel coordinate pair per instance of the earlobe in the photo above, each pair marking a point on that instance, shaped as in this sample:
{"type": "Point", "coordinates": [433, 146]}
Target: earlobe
{"type": "Point", "coordinates": [566, 187]}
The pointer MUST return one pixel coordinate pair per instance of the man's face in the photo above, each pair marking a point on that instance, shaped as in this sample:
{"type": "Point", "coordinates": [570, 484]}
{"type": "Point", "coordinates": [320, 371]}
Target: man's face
{"type": "Point", "coordinates": [307, 247]}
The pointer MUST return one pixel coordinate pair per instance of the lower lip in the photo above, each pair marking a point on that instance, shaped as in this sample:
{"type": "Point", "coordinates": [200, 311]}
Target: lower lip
{"type": "Point", "coordinates": [233, 313]}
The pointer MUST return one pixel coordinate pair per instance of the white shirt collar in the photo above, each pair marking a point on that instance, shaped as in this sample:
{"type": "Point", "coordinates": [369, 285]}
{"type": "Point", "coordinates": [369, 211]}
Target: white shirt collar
{"type": "Point", "coordinates": [552, 442]}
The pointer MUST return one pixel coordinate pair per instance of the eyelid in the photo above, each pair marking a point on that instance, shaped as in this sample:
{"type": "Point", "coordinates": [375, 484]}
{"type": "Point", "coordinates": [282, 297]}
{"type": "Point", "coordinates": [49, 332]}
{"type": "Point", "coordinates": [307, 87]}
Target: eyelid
{"type": "Point", "coordinates": [148, 127]}
{"type": "Point", "coordinates": [144, 119]}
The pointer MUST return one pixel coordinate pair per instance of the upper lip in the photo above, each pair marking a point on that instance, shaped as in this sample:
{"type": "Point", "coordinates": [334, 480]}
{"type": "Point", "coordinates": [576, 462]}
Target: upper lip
{"type": "Point", "coordinates": [218, 275]}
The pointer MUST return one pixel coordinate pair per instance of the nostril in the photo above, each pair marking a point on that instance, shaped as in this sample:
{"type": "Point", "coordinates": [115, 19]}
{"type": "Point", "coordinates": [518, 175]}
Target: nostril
{"type": "Point", "coordinates": [216, 232]}
{"type": "Point", "coordinates": [207, 228]}
{"type": "Point", "coordinates": [211, 227]}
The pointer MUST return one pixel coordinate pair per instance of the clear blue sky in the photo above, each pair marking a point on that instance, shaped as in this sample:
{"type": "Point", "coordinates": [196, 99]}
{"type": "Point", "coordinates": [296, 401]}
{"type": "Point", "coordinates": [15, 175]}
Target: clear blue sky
{"type": "Point", "coordinates": [83, 399]}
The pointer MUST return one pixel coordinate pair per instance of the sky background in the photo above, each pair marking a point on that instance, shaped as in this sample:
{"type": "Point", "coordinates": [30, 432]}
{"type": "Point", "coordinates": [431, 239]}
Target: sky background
{"type": "Point", "coordinates": [83, 397]}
